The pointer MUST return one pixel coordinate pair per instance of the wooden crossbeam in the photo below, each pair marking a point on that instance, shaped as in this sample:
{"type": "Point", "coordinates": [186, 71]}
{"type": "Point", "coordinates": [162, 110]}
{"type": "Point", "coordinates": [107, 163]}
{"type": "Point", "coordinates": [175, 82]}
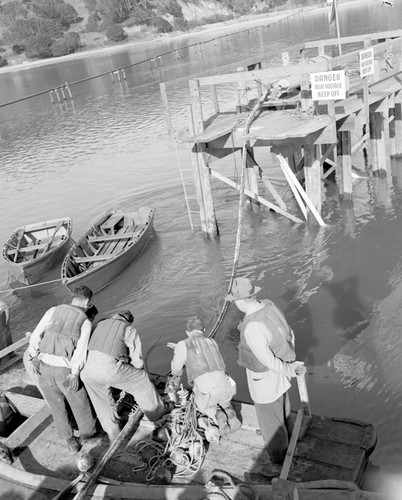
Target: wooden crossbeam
{"type": "Point", "coordinates": [28, 249]}
{"type": "Point", "coordinates": [111, 237]}
{"type": "Point", "coordinates": [93, 258]}
{"type": "Point", "coordinates": [256, 198]}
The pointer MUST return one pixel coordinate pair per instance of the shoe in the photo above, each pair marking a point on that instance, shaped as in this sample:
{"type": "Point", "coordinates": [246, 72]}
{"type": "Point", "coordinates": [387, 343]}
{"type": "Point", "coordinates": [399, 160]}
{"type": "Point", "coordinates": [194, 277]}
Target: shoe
{"type": "Point", "coordinates": [93, 440]}
{"type": "Point", "coordinates": [73, 444]}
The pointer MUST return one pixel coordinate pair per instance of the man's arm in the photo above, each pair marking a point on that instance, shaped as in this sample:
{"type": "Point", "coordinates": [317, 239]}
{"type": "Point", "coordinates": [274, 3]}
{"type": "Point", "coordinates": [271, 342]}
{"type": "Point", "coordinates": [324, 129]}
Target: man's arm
{"type": "Point", "coordinates": [179, 359]}
{"type": "Point", "coordinates": [133, 342]}
{"type": "Point", "coordinates": [79, 356]}
{"type": "Point", "coordinates": [258, 338]}
{"type": "Point", "coordinates": [37, 334]}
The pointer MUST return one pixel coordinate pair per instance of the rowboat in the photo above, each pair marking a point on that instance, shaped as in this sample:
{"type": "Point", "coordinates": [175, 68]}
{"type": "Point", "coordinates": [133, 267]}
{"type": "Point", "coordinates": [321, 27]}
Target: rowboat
{"type": "Point", "coordinates": [107, 248]}
{"type": "Point", "coordinates": [33, 250]}
{"type": "Point", "coordinates": [326, 459]}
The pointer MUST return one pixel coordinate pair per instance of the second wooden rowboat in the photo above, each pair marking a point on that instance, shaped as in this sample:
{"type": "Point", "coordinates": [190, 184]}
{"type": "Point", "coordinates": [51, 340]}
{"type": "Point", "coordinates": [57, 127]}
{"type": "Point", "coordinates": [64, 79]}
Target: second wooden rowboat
{"type": "Point", "coordinates": [107, 248]}
{"type": "Point", "coordinates": [34, 249]}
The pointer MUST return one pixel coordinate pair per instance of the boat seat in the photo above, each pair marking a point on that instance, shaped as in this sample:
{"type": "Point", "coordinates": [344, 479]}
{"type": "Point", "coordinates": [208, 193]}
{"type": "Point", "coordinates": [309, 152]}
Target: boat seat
{"type": "Point", "coordinates": [111, 237]}
{"type": "Point", "coordinates": [28, 249]}
{"type": "Point", "coordinates": [112, 221]}
{"type": "Point", "coordinates": [92, 258]}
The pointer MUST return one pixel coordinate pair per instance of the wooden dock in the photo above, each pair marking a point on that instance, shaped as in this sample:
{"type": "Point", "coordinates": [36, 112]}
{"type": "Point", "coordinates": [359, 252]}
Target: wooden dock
{"type": "Point", "coordinates": [311, 139]}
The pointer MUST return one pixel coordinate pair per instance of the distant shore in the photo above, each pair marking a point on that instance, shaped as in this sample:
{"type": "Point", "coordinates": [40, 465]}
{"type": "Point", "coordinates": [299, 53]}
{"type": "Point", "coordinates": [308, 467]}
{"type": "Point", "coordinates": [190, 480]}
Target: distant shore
{"type": "Point", "coordinates": [240, 24]}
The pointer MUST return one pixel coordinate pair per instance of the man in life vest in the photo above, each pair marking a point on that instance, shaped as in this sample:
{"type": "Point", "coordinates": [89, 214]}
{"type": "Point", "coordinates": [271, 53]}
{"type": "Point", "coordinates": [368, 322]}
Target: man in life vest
{"type": "Point", "coordinates": [115, 360]}
{"type": "Point", "coordinates": [56, 353]}
{"type": "Point", "coordinates": [213, 388]}
{"type": "Point", "coordinates": [267, 352]}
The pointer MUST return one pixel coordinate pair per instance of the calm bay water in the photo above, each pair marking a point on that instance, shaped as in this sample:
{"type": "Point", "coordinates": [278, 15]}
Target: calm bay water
{"type": "Point", "coordinates": [340, 286]}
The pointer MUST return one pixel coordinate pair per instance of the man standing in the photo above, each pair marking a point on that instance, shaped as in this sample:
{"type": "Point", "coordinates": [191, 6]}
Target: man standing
{"type": "Point", "coordinates": [115, 360]}
{"type": "Point", "coordinates": [206, 372]}
{"type": "Point", "coordinates": [57, 351]}
{"type": "Point", "coordinates": [267, 352]}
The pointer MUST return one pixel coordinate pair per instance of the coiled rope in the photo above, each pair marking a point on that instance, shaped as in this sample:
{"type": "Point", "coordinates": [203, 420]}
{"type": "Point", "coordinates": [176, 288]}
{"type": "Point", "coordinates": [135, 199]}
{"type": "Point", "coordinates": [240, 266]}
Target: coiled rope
{"type": "Point", "coordinates": [235, 264]}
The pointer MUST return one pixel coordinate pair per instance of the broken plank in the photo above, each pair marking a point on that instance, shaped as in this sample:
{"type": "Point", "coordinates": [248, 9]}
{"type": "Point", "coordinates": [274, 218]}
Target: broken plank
{"type": "Point", "coordinates": [25, 430]}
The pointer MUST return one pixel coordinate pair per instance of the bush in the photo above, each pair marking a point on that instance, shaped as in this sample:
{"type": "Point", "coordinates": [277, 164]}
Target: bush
{"type": "Point", "coordinates": [180, 24]}
{"type": "Point", "coordinates": [140, 16]}
{"type": "Point", "coordinates": [61, 47]}
{"type": "Point", "coordinates": [39, 46]}
{"type": "Point", "coordinates": [18, 48]}
{"type": "Point", "coordinates": [3, 61]}
{"type": "Point", "coordinates": [116, 33]}
{"type": "Point", "coordinates": [161, 25]}
{"type": "Point", "coordinates": [93, 23]}
{"type": "Point", "coordinates": [73, 39]}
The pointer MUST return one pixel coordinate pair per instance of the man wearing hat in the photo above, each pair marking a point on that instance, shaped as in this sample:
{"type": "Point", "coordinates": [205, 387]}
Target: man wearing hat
{"type": "Point", "coordinates": [213, 388]}
{"type": "Point", "coordinates": [115, 360]}
{"type": "Point", "coordinates": [267, 352]}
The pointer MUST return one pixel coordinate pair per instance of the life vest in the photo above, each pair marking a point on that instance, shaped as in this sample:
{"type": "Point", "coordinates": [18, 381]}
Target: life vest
{"type": "Point", "coordinates": [282, 337]}
{"type": "Point", "coordinates": [62, 333]}
{"type": "Point", "coordinates": [108, 337]}
{"type": "Point", "coordinates": [203, 356]}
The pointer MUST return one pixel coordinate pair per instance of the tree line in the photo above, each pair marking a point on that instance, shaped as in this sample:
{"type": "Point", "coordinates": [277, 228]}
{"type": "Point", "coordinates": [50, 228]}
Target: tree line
{"type": "Point", "coordinates": [45, 28]}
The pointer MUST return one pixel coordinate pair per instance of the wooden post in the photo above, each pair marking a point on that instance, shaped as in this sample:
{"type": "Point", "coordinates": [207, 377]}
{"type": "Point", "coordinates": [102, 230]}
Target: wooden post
{"type": "Point", "coordinates": [305, 93]}
{"type": "Point", "coordinates": [312, 172]}
{"type": "Point", "coordinates": [166, 110]}
{"type": "Point", "coordinates": [344, 164]}
{"type": "Point", "coordinates": [391, 124]}
{"type": "Point", "coordinates": [214, 96]}
{"type": "Point", "coordinates": [209, 226]}
{"type": "Point", "coordinates": [251, 180]}
{"type": "Point", "coordinates": [378, 113]}
{"type": "Point", "coordinates": [398, 122]}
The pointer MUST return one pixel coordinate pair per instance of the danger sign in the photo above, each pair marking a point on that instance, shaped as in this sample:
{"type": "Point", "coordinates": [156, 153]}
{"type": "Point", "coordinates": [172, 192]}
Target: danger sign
{"type": "Point", "coordinates": [366, 58]}
{"type": "Point", "coordinates": [328, 86]}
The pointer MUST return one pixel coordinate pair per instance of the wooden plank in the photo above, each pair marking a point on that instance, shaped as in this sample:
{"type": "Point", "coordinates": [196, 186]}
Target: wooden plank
{"type": "Point", "coordinates": [13, 347]}
{"type": "Point", "coordinates": [111, 237]}
{"type": "Point", "coordinates": [22, 404]}
{"type": "Point", "coordinates": [292, 446]}
{"type": "Point", "coordinates": [112, 221]}
{"type": "Point", "coordinates": [93, 258]}
{"type": "Point", "coordinates": [29, 248]}
{"type": "Point", "coordinates": [24, 431]}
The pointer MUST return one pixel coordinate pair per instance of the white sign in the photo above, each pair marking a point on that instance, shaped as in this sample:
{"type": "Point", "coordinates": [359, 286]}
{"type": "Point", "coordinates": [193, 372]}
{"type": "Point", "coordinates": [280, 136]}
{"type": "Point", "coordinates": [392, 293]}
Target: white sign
{"type": "Point", "coordinates": [328, 86]}
{"type": "Point", "coordinates": [366, 58]}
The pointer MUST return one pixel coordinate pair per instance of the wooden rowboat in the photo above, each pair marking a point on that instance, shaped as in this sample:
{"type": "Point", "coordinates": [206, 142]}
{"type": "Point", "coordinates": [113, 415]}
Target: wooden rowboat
{"type": "Point", "coordinates": [33, 250]}
{"type": "Point", "coordinates": [107, 248]}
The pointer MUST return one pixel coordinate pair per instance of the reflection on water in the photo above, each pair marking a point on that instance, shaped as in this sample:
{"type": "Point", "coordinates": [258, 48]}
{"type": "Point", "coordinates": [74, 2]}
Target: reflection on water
{"type": "Point", "coordinates": [339, 285]}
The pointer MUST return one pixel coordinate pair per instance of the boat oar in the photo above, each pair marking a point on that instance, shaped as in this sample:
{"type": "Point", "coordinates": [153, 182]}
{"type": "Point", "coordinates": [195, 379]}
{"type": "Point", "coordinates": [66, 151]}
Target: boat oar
{"type": "Point", "coordinates": [49, 243]}
{"type": "Point", "coordinates": [127, 429]}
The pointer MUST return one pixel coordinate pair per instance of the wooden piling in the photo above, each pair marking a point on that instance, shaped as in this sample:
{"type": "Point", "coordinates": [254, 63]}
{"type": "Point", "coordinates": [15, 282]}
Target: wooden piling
{"type": "Point", "coordinates": [378, 112]}
{"type": "Point", "coordinates": [251, 180]}
{"type": "Point", "coordinates": [398, 122]}
{"type": "Point", "coordinates": [209, 225]}
{"type": "Point", "coordinates": [344, 165]}
{"type": "Point", "coordinates": [391, 125]}
{"type": "Point", "coordinates": [312, 173]}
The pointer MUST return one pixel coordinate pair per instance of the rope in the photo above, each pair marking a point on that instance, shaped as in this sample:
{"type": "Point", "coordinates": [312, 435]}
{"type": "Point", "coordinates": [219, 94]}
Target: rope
{"type": "Point", "coordinates": [30, 286]}
{"type": "Point", "coordinates": [184, 186]}
{"type": "Point", "coordinates": [235, 264]}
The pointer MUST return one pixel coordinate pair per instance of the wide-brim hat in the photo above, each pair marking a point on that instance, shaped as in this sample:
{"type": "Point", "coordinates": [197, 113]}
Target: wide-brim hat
{"type": "Point", "coordinates": [242, 288]}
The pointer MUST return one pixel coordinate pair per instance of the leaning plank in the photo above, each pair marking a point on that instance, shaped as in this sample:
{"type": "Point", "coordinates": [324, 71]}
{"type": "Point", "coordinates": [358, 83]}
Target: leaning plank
{"type": "Point", "coordinates": [24, 431]}
{"type": "Point", "coordinates": [24, 405]}
{"type": "Point", "coordinates": [13, 347]}
{"type": "Point", "coordinates": [92, 258]}
{"type": "Point", "coordinates": [292, 446]}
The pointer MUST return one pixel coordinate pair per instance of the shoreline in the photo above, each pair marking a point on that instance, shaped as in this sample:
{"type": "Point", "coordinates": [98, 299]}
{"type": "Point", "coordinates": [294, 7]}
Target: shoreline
{"type": "Point", "coordinates": [243, 23]}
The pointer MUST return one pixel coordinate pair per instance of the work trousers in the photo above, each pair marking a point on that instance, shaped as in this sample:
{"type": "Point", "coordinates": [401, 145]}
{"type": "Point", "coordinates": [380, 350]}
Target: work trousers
{"type": "Point", "coordinates": [53, 383]}
{"type": "Point", "coordinates": [275, 426]}
{"type": "Point", "coordinates": [212, 389]}
{"type": "Point", "coordinates": [102, 372]}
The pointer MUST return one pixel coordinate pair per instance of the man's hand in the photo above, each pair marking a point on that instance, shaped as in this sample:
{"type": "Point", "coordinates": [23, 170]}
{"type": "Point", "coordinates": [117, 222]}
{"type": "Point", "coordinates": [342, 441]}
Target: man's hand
{"type": "Point", "coordinates": [74, 382]}
{"type": "Point", "coordinates": [300, 369]}
{"type": "Point", "coordinates": [172, 345]}
{"type": "Point", "coordinates": [36, 364]}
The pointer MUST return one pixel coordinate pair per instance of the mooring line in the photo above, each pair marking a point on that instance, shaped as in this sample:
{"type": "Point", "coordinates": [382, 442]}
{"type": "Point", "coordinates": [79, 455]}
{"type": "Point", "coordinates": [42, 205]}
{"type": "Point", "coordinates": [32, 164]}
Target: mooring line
{"type": "Point", "coordinates": [30, 286]}
{"type": "Point", "coordinates": [235, 264]}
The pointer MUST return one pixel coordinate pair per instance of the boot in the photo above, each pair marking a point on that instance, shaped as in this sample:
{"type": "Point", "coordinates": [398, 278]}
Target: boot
{"type": "Point", "coordinates": [222, 422]}
{"type": "Point", "coordinates": [233, 422]}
